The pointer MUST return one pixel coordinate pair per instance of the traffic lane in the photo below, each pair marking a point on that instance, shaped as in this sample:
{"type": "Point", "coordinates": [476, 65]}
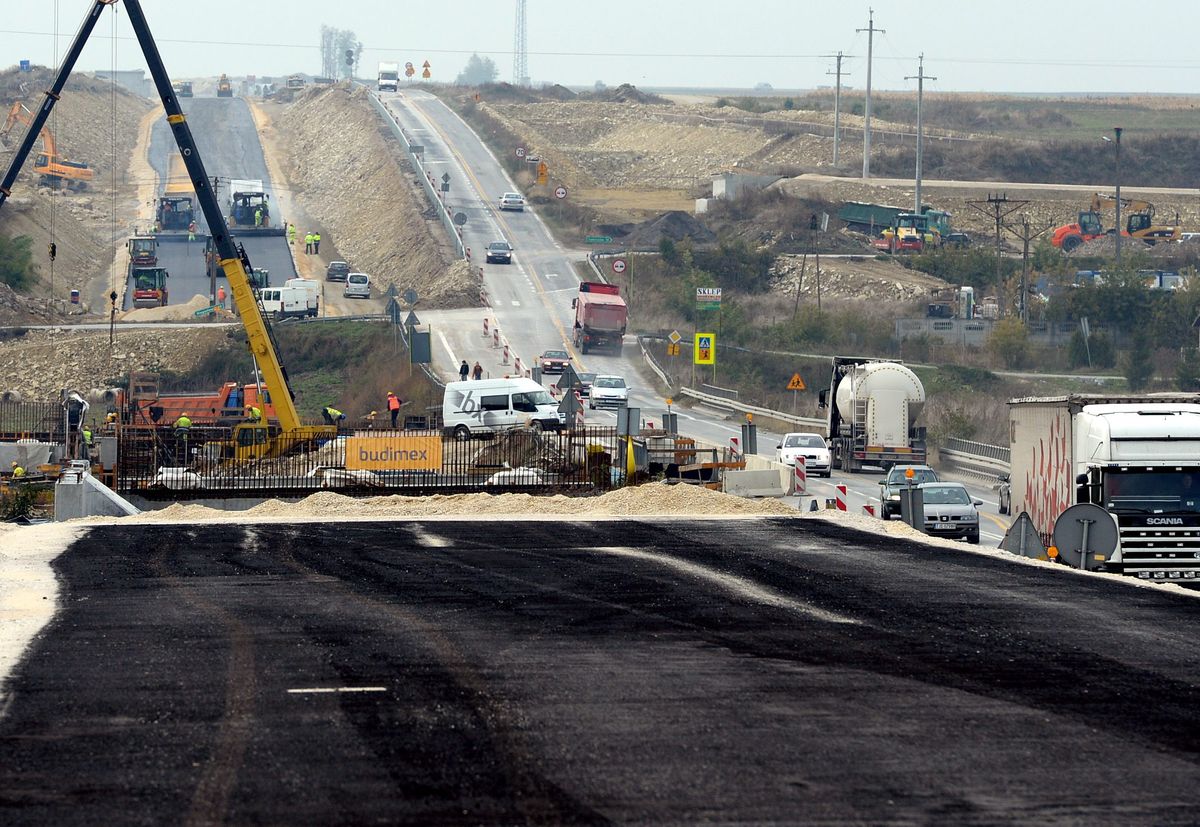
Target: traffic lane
{"type": "Point", "coordinates": [635, 670]}
{"type": "Point", "coordinates": [188, 276]}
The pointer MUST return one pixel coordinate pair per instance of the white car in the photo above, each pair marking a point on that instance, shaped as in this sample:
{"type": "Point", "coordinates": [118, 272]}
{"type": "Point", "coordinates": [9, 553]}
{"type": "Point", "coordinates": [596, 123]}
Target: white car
{"type": "Point", "coordinates": [608, 392]}
{"type": "Point", "coordinates": [512, 201]}
{"type": "Point", "coordinates": [358, 286]}
{"type": "Point", "coordinates": [810, 446]}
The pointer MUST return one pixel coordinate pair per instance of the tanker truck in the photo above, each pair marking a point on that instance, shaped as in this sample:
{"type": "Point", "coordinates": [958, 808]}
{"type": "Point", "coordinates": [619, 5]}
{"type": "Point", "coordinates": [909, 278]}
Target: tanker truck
{"type": "Point", "coordinates": [872, 405]}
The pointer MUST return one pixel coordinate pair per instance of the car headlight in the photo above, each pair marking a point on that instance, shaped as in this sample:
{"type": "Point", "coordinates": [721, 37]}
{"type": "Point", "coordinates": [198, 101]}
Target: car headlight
{"type": "Point", "coordinates": [893, 498]}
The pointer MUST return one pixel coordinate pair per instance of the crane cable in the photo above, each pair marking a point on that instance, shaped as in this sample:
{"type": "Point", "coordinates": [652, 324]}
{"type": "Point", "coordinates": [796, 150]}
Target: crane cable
{"type": "Point", "coordinates": [52, 248]}
{"type": "Point", "coordinates": [112, 108]}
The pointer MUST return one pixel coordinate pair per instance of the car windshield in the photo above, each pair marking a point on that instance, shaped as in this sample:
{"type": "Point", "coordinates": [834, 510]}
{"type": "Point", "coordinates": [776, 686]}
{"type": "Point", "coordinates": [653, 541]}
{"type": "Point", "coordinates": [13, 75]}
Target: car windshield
{"type": "Point", "coordinates": [536, 398]}
{"type": "Point", "coordinates": [498, 245]}
{"type": "Point", "coordinates": [512, 195]}
{"type": "Point", "coordinates": [803, 441]}
{"type": "Point", "coordinates": [586, 378]}
{"type": "Point", "coordinates": [946, 495]}
{"type": "Point", "coordinates": [555, 354]}
{"type": "Point", "coordinates": [920, 475]}
{"type": "Point", "coordinates": [609, 382]}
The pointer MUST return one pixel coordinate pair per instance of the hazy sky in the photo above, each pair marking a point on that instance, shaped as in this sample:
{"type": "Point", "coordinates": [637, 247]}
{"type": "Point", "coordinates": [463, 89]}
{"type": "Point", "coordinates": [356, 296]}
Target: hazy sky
{"type": "Point", "coordinates": [1016, 46]}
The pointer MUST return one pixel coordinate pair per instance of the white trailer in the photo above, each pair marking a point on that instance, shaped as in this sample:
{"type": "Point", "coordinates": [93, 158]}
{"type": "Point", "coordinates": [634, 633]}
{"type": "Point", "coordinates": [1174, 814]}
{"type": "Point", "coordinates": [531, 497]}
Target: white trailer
{"type": "Point", "coordinates": [389, 76]}
{"type": "Point", "coordinates": [873, 407]}
{"type": "Point", "coordinates": [1138, 457]}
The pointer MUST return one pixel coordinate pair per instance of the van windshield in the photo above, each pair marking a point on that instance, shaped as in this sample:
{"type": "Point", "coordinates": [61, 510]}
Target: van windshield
{"type": "Point", "coordinates": [531, 400]}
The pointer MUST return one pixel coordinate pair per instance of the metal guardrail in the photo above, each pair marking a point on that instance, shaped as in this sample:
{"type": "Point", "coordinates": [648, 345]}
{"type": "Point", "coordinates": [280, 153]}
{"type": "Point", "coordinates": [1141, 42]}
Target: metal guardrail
{"type": "Point", "coordinates": [426, 182]}
{"type": "Point", "coordinates": [981, 449]}
{"type": "Point", "coordinates": [977, 465]}
{"type": "Point", "coordinates": [658, 369]}
{"type": "Point", "coordinates": [716, 390]}
{"type": "Point", "coordinates": [813, 423]}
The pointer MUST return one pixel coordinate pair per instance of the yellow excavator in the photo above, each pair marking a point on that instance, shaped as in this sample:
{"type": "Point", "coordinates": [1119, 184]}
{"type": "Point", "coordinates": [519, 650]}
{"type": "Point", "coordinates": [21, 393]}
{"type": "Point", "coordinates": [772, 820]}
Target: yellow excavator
{"type": "Point", "coordinates": [53, 169]}
{"type": "Point", "coordinates": [1139, 223]}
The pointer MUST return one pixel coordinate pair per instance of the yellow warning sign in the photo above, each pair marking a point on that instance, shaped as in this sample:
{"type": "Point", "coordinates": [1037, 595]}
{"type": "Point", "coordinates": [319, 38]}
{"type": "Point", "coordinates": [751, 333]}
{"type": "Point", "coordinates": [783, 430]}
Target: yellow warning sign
{"type": "Point", "coordinates": [797, 384]}
{"type": "Point", "coordinates": [705, 350]}
{"type": "Point", "coordinates": [542, 172]}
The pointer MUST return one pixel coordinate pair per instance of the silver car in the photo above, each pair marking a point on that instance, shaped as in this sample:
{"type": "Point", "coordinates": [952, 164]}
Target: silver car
{"type": "Point", "coordinates": [950, 511]}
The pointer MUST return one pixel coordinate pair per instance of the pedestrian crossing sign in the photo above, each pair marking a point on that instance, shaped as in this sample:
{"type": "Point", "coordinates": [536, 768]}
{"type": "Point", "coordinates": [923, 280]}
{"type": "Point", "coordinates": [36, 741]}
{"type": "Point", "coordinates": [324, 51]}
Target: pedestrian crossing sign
{"type": "Point", "coordinates": [797, 384]}
{"type": "Point", "coordinates": [705, 351]}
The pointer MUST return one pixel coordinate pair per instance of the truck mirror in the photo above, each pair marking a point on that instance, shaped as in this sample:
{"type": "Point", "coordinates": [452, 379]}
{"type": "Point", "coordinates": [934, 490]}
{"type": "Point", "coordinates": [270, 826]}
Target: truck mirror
{"type": "Point", "coordinates": [1082, 479]}
{"type": "Point", "coordinates": [821, 397]}
{"type": "Point", "coordinates": [573, 303]}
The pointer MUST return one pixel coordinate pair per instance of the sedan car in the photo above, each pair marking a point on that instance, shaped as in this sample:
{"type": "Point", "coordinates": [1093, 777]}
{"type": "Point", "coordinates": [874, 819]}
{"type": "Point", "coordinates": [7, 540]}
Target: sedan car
{"type": "Point", "coordinates": [950, 511]}
{"type": "Point", "coordinates": [499, 252]}
{"type": "Point", "coordinates": [512, 201]}
{"type": "Point", "coordinates": [337, 271]}
{"type": "Point", "coordinates": [554, 361]}
{"type": "Point", "coordinates": [608, 392]}
{"type": "Point", "coordinates": [583, 384]}
{"type": "Point", "coordinates": [897, 478]}
{"type": "Point", "coordinates": [810, 446]}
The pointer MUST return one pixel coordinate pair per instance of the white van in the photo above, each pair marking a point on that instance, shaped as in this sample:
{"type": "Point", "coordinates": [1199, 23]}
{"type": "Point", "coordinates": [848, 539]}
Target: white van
{"type": "Point", "coordinates": [358, 286]}
{"type": "Point", "coordinates": [287, 302]}
{"type": "Point", "coordinates": [490, 405]}
{"type": "Point", "coordinates": [313, 287]}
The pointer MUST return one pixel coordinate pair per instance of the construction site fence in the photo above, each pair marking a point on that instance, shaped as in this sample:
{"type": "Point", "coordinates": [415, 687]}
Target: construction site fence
{"type": "Point", "coordinates": [44, 421]}
{"type": "Point", "coordinates": [161, 463]}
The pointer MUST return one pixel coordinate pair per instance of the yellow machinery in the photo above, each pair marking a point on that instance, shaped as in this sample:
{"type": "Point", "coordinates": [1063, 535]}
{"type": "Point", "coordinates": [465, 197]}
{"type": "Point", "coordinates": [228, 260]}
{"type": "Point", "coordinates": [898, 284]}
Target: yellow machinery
{"type": "Point", "coordinates": [55, 171]}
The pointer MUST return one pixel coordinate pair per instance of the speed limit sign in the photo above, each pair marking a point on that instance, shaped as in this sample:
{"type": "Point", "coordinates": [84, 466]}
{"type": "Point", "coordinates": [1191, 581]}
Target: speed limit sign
{"type": "Point", "coordinates": [560, 192]}
{"type": "Point", "coordinates": [618, 265]}
{"type": "Point", "coordinates": [520, 152]}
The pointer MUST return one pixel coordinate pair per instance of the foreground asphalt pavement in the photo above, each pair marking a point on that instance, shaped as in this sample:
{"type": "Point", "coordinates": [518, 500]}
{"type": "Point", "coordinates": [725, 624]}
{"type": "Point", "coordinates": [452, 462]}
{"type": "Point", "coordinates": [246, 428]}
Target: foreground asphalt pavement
{"type": "Point", "coordinates": [649, 671]}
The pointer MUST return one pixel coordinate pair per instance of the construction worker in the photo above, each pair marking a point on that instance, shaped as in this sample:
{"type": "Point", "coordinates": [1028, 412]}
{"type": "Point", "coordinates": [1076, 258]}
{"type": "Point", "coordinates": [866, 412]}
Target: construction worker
{"type": "Point", "coordinates": [308, 242]}
{"type": "Point", "coordinates": [17, 470]}
{"type": "Point", "coordinates": [317, 243]}
{"type": "Point", "coordinates": [258, 217]}
{"type": "Point", "coordinates": [291, 235]}
{"type": "Point", "coordinates": [332, 415]}
{"type": "Point", "coordinates": [192, 231]}
{"type": "Point", "coordinates": [221, 296]}
{"type": "Point", "coordinates": [183, 423]}
{"type": "Point", "coordinates": [393, 403]}
{"type": "Point", "coordinates": [253, 413]}
{"type": "Point", "coordinates": [87, 439]}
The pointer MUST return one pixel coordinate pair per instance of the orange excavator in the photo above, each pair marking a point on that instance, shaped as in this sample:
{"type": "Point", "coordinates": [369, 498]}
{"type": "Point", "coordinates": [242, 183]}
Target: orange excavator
{"type": "Point", "coordinates": [55, 171]}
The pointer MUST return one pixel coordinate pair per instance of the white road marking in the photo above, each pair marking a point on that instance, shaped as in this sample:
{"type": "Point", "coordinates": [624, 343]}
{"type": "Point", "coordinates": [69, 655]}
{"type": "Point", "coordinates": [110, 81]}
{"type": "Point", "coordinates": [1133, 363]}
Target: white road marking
{"type": "Point", "coordinates": [426, 539]}
{"type": "Point", "coordinates": [332, 690]}
{"type": "Point", "coordinates": [552, 275]}
{"type": "Point", "coordinates": [445, 344]}
{"type": "Point", "coordinates": [737, 586]}
{"type": "Point", "coordinates": [516, 303]}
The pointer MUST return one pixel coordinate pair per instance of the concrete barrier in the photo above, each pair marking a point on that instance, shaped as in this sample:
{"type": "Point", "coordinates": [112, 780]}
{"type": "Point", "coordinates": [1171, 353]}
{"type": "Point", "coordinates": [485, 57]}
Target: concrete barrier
{"type": "Point", "coordinates": [755, 484]}
{"type": "Point", "coordinates": [78, 494]}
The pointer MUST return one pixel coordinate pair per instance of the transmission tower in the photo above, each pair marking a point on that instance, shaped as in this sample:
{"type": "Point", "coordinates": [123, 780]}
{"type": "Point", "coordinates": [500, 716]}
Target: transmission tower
{"type": "Point", "coordinates": [520, 49]}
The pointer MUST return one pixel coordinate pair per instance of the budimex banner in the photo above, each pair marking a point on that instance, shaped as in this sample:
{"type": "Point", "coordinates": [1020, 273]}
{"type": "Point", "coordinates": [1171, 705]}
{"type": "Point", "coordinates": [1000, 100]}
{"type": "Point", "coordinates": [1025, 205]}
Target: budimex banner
{"type": "Point", "coordinates": [394, 453]}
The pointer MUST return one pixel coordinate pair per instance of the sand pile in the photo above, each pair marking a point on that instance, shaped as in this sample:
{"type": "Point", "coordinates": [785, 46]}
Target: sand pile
{"type": "Point", "coordinates": [173, 312]}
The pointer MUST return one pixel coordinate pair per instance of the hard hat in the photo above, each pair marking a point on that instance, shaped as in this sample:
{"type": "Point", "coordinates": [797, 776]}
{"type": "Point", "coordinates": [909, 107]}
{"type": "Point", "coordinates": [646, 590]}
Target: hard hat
{"type": "Point", "coordinates": [391, 393]}
{"type": "Point", "coordinates": [14, 463]}
{"type": "Point", "coordinates": [185, 413]}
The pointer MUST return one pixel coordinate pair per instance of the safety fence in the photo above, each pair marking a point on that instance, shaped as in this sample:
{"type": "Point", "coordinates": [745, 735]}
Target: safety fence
{"type": "Point", "coordinates": [160, 463]}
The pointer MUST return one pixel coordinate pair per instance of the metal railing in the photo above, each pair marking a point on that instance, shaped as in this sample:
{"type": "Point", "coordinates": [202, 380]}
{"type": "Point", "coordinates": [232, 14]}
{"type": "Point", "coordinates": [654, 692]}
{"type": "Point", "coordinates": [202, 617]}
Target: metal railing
{"type": "Point", "coordinates": [976, 458]}
{"type": "Point", "coordinates": [809, 422]}
{"type": "Point", "coordinates": [32, 420]}
{"type": "Point", "coordinates": [160, 463]}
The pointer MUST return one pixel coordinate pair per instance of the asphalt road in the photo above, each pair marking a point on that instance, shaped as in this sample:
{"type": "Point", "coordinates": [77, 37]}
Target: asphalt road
{"type": "Point", "coordinates": [646, 671]}
{"type": "Point", "coordinates": [228, 140]}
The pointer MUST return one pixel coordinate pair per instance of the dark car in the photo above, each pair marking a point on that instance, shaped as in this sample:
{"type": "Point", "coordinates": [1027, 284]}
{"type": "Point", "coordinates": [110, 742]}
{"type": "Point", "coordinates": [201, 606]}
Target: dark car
{"type": "Point", "coordinates": [889, 487]}
{"type": "Point", "coordinates": [1003, 489]}
{"type": "Point", "coordinates": [956, 240]}
{"type": "Point", "coordinates": [554, 361]}
{"type": "Point", "coordinates": [337, 271]}
{"type": "Point", "coordinates": [499, 252]}
{"type": "Point", "coordinates": [583, 383]}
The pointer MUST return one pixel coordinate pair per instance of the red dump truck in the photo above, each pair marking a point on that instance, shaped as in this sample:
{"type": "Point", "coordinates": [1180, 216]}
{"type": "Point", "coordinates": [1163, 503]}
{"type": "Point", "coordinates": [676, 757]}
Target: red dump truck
{"type": "Point", "coordinates": [600, 317]}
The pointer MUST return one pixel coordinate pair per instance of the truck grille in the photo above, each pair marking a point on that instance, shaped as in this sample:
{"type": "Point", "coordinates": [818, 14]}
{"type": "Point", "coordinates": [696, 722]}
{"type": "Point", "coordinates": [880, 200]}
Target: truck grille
{"type": "Point", "coordinates": [1160, 552]}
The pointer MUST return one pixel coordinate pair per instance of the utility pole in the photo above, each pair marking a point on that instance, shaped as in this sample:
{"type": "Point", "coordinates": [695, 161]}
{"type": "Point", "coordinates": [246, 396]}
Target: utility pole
{"type": "Point", "coordinates": [837, 105]}
{"type": "Point", "coordinates": [1117, 132]}
{"type": "Point", "coordinates": [1027, 232]}
{"type": "Point", "coordinates": [870, 30]}
{"type": "Point", "coordinates": [920, 78]}
{"type": "Point", "coordinates": [998, 207]}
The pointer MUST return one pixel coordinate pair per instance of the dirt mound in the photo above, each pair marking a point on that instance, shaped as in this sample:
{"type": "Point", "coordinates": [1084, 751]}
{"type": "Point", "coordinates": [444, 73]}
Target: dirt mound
{"type": "Point", "coordinates": [558, 92]}
{"type": "Point", "coordinates": [349, 176]}
{"type": "Point", "coordinates": [41, 363]}
{"type": "Point", "coordinates": [1107, 246]}
{"type": "Point", "coordinates": [862, 278]}
{"type": "Point", "coordinates": [625, 93]}
{"type": "Point", "coordinates": [171, 313]}
{"type": "Point", "coordinates": [675, 225]}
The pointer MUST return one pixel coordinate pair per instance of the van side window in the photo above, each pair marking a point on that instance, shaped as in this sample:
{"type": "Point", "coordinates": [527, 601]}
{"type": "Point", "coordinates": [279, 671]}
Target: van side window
{"type": "Point", "coordinates": [494, 403]}
{"type": "Point", "coordinates": [524, 403]}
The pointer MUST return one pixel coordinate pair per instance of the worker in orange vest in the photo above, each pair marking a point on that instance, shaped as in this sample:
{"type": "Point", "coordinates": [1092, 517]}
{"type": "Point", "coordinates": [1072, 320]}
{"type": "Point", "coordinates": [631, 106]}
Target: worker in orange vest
{"type": "Point", "coordinates": [393, 403]}
{"type": "Point", "coordinates": [221, 296]}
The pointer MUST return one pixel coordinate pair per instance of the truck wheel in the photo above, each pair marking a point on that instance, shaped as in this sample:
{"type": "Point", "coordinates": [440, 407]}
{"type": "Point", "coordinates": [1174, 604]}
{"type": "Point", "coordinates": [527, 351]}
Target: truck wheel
{"type": "Point", "coordinates": [1071, 242]}
{"type": "Point", "coordinates": [462, 433]}
{"type": "Point", "coordinates": [583, 350]}
{"type": "Point", "coordinates": [617, 349]}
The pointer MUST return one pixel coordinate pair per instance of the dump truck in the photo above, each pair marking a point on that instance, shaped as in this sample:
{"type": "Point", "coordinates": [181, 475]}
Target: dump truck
{"type": "Point", "coordinates": [389, 76]}
{"type": "Point", "coordinates": [149, 286]}
{"type": "Point", "coordinates": [1135, 456]}
{"type": "Point", "coordinates": [600, 317]}
{"type": "Point", "coordinates": [872, 407]}
{"type": "Point", "coordinates": [224, 87]}
{"type": "Point", "coordinates": [144, 403]}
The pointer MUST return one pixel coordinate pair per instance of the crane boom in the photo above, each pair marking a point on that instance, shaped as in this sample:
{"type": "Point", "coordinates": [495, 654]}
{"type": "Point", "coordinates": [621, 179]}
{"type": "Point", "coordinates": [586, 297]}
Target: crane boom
{"type": "Point", "coordinates": [233, 263]}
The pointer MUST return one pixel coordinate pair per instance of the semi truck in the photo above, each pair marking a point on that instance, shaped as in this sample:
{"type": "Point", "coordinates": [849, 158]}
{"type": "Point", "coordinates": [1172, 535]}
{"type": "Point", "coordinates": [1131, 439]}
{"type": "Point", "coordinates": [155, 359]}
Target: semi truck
{"type": "Point", "coordinates": [600, 317]}
{"type": "Point", "coordinates": [872, 407]}
{"type": "Point", "coordinates": [389, 76]}
{"type": "Point", "coordinates": [1137, 457]}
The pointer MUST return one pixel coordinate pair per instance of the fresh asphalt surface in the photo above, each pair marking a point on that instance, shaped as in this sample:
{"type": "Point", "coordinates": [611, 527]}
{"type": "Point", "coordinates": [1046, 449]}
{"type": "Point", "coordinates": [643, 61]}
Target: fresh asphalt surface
{"type": "Point", "coordinates": [647, 671]}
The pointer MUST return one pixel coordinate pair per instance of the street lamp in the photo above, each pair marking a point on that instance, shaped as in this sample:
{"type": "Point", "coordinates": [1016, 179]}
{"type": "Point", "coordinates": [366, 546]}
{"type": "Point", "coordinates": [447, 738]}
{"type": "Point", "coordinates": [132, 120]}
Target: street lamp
{"type": "Point", "coordinates": [1117, 176]}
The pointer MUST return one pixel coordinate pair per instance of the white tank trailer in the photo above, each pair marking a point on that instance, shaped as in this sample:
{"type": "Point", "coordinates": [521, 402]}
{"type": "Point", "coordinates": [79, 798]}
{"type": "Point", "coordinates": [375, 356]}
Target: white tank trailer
{"type": "Point", "coordinates": [872, 420]}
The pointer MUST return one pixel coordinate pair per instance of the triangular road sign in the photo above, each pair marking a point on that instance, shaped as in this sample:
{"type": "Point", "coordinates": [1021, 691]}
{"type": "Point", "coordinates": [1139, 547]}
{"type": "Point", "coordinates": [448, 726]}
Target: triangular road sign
{"type": "Point", "coordinates": [797, 384]}
{"type": "Point", "coordinates": [569, 405]}
{"type": "Point", "coordinates": [568, 380]}
{"type": "Point", "coordinates": [412, 320]}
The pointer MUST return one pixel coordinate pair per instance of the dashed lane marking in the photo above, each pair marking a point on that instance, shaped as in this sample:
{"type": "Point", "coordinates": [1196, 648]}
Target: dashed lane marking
{"type": "Point", "coordinates": [333, 690]}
